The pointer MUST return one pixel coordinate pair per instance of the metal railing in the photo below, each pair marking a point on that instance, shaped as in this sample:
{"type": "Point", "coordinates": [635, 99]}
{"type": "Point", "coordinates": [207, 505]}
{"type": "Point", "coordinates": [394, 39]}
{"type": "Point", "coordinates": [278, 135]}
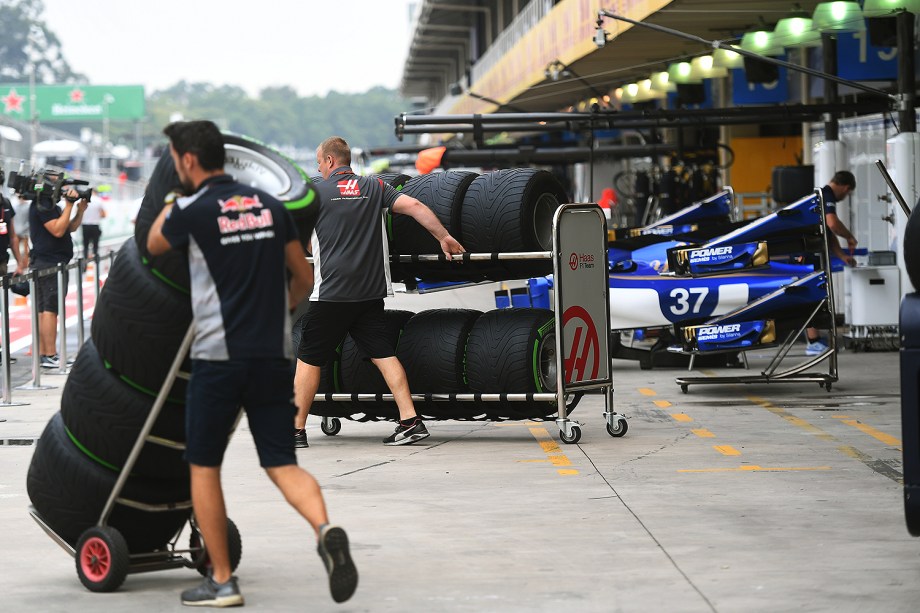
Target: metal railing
{"type": "Point", "coordinates": [79, 265]}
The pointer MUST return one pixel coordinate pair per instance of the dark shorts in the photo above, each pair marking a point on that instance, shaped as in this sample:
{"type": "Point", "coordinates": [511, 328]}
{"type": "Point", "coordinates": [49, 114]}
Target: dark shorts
{"type": "Point", "coordinates": [327, 323]}
{"type": "Point", "coordinates": [46, 288]}
{"type": "Point", "coordinates": [216, 392]}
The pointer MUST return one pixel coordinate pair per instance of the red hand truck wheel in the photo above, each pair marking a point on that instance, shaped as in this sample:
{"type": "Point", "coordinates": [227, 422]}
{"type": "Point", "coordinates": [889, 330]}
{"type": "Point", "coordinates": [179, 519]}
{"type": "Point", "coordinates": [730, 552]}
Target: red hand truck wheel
{"type": "Point", "coordinates": [102, 559]}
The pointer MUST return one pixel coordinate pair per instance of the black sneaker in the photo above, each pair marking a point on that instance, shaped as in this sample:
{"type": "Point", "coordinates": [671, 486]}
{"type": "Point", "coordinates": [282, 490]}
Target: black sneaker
{"type": "Point", "coordinates": [300, 439]}
{"type": "Point", "coordinates": [333, 549]}
{"type": "Point", "coordinates": [50, 361]}
{"type": "Point", "coordinates": [406, 435]}
{"type": "Point", "coordinates": [212, 594]}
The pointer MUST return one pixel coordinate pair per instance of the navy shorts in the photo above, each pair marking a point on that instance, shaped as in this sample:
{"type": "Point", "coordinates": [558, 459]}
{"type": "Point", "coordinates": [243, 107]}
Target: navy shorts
{"type": "Point", "coordinates": [327, 323]}
{"type": "Point", "coordinates": [216, 392]}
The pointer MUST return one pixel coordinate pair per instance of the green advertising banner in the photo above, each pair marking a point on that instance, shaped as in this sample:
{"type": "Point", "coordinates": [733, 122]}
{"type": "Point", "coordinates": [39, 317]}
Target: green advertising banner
{"type": "Point", "coordinates": [73, 102]}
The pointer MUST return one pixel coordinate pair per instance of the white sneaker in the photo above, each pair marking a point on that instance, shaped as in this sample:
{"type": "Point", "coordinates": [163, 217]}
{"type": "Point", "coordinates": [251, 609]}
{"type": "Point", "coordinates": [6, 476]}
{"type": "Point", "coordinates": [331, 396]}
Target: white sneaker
{"type": "Point", "coordinates": [816, 347]}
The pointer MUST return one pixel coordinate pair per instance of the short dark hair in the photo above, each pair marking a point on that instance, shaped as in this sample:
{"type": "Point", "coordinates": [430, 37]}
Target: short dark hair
{"type": "Point", "coordinates": [201, 138]}
{"type": "Point", "coordinates": [844, 177]}
{"type": "Point", "coordinates": [337, 148]}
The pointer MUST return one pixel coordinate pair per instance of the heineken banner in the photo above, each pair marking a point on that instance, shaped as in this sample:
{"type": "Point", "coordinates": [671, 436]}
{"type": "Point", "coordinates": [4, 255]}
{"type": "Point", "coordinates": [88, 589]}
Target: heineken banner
{"type": "Point", "coordinates": [73, 102]}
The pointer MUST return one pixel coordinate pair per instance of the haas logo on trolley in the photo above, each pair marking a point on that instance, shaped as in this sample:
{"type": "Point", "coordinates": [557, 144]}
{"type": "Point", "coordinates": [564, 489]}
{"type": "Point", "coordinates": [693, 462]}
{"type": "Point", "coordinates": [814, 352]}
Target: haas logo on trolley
{"type": "Point", "coordinates": [582, 357]}
{"type": "Point", "coordinates": [349, 187]}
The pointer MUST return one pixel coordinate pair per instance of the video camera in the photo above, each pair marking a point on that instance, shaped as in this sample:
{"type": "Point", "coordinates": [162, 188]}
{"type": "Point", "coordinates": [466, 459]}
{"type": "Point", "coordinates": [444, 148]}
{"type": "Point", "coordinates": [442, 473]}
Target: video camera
{"type": "Point", "coordinates": [46, 187]}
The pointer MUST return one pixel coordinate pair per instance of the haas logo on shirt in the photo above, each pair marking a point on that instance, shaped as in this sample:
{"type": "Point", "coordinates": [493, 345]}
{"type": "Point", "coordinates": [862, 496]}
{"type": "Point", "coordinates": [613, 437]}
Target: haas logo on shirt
{"type": "Point", "coordinates": [349, 188]}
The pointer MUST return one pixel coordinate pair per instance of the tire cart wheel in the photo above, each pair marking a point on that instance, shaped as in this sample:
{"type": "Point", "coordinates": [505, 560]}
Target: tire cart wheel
{"type": "Point", "coordinates": [618, 428]}
{"type": "Point", "coordinates": [102, 559]}
{"type": "Point", "coordinates": [203, 561]}
{"type": "Point", "coordinates": [576, 436]}
{"type": "Point", "coordinates": [684, 388]}
{"type": "Point", "coordinates": [334, 427]}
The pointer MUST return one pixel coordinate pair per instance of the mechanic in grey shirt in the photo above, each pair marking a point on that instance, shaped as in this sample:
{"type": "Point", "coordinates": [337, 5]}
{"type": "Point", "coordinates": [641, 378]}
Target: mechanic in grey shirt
{"type": "Point", "coordinates": [351, 271]}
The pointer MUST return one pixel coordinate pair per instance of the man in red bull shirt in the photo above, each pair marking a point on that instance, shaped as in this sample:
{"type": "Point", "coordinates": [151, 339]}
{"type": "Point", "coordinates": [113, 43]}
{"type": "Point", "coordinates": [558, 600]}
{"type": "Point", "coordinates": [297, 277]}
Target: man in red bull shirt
{"type": "Point", "coordinates": [352, 272]}
{"type": "Point", "coordinates": [241, 243]}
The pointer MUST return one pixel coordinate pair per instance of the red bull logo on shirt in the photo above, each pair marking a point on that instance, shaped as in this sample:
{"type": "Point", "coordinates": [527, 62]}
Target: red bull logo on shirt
{"type": "Point", "coordinates": [246, 221]}
{"type": "Point", "coordinates": [349, 187]}
{"type": "Point", "coordinates": [240, 204]}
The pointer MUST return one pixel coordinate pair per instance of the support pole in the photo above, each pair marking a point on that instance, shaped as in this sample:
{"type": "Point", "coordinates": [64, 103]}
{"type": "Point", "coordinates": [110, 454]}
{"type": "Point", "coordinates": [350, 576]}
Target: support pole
{"type": "Point", "coordinates": [907, 117]}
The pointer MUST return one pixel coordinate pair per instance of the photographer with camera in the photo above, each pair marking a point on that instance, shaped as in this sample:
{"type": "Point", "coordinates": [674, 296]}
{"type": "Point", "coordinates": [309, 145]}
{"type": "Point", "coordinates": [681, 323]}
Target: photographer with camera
{"type": "Point", "coordinates": [51, 226]}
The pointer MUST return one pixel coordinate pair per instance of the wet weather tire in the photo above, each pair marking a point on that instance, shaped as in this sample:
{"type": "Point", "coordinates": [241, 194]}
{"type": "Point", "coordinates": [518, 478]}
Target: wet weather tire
{"type": "Point", "coordinates": [106, 415]}
{"type": "Point", "coordinates": [443, 193]}
{"type": "Point", "coordinates": [102, 559]}
{"type": "Point", "coordinates": [432, 349]}
{"type": "Point", "coordinates": [251, 163]}
{"type": "Point", "coordinates": [69, 490]}
{"type": "Point", "coordinates": [139, 324]}
{"type": "Point", "coordinates": [511, 210]}
{"type": "Point", "coordinates": [513, 351]}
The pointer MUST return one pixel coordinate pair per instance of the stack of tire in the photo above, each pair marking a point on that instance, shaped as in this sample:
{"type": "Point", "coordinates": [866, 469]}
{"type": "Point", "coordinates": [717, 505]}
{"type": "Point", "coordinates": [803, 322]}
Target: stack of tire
{"type": "Point", "coordinates": [509, 210]}
{"type": "Point", "coordinates": [452, 351]}
{"type": "Point", "coordinates": [140, 319]}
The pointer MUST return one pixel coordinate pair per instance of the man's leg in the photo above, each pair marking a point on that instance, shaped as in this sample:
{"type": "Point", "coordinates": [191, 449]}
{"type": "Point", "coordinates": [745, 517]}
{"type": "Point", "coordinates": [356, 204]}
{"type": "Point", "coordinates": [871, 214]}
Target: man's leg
{"type": "Point", "coordinates": [306, 383]}
{"type": "Point", "coordinates": [47, 333]}
{"type": "Point", "coordinates": [302, 492]}
{"type": "Point", "coordinates": [395, 376]}
{"type": "Point", "coordinates": [211, 515]}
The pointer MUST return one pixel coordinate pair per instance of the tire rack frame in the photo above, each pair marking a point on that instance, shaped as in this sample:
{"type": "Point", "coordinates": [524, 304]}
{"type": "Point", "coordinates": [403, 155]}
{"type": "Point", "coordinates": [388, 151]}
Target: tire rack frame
{"type": "Point", "coordinates": [570, 431]}
{"type": "Point", "coordinates": [170, 557]}
{"type": "Point", "coordinates": [796, 373]}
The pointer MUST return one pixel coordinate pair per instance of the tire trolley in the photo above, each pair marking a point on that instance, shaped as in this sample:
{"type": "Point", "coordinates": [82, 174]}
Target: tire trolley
{"type": "Point", "coordinates": [101, 552]}
{"type": "Point", "coordinates": [582, 316]}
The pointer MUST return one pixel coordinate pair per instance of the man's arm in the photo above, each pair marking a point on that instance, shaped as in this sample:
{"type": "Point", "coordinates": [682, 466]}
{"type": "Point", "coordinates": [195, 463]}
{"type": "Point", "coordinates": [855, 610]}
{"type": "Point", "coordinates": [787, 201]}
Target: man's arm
{"type": "Point", "coordinates": [156, 242]}
{"type": "Point", "coordinates": [14, 244]}
{"type": "Point", "coordinates": [407, 205]}
{"type": "Point", "coordinates": [78, 218]}
{"type": "Point", "coordinates": [58, 227]}
{"type": "Point", "coordinates": [839, 228]}
{"type": "Point", "coordinates": [301, 283]}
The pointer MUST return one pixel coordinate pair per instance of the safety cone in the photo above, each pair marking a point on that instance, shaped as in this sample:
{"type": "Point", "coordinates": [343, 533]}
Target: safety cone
{"type": "Point", "coordinates": [90, 271]}
{"type": "Point", "coordinates": [20, 301]}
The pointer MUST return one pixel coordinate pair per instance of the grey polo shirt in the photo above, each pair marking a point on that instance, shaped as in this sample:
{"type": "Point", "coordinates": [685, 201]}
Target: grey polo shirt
{"type": "Point", "coordinates": [349, 244]}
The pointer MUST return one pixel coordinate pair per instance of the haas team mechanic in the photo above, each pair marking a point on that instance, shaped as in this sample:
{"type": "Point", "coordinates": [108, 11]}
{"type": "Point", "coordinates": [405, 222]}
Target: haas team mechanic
{"type": "Point", "coordinates": [240, 241]}
{"type": "Point", "coordinates": [351, 268]}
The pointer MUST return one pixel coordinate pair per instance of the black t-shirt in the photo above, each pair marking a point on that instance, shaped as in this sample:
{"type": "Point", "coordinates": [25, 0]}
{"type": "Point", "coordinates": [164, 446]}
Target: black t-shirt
{"type": "Point", "coordinates": [6, 217]}
{"type": "Point", "coordinates": [47, 248]}
{"type": "Point", "coordinates": [236, 237]}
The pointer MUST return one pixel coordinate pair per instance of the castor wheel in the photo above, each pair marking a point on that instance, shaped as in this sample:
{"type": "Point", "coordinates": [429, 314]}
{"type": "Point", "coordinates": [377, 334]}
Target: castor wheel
{"type": "Point", "coordinates": [202, 561]}
{"type": "Point", "coordinates": [334, 427]}
{"type": "Point", "coordinates": [618, 428]}
{"type": "Point", "coordinates": [684, 388]}
{"type": "Point", "coordinates": [571, 440]}
{"type": "Point", "coordinates": [102, 559]}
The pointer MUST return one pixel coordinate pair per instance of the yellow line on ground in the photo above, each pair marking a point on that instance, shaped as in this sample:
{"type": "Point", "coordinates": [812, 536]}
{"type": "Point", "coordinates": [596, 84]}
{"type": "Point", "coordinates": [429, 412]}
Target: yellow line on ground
{"type": "Point", "coordinates": [646, 391]}
{"type": "Point", "coordinates": [703, 433]}
{"type": "Point", "coordinates": [878, 466]}
{"type": "Point", "coordinates": [681, 417]}
{"type": "Point", "coordinates": [709, 373]}
{"type": "Point", "coordinates": [726, 450]}
{"type": "Point", "coordinates": [752, 469]}
{"type": "Point", "coordinates": [552, 450]}
{"type": "Point", "coordinates": [516, 425]}
{"type": "Point", "coordinates": [560, 460]}
{"type": "Point", "coordinates": [841, 417]}
{"type": "Point", "coordinates": [662, 404]}
{"type": "Point", "coordinates": [876, 434]}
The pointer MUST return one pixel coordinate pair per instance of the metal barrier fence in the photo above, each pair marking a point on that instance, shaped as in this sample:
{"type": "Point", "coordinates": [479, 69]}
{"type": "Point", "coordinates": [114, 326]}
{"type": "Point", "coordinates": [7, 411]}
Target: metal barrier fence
{"type": "Point", "coordinates": [79, 265]}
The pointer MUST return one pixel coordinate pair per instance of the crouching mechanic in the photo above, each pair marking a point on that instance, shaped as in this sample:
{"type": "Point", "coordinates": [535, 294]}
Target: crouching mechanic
{"type": "Point", "coordinates": [241, 242]}
{"type": "Point", "coordinates": [351, 263]}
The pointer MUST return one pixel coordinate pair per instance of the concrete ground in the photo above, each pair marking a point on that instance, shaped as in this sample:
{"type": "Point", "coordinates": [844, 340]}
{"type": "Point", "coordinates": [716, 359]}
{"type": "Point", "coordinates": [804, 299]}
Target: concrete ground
{"type": "Point", "coordinates": [729, 498]}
